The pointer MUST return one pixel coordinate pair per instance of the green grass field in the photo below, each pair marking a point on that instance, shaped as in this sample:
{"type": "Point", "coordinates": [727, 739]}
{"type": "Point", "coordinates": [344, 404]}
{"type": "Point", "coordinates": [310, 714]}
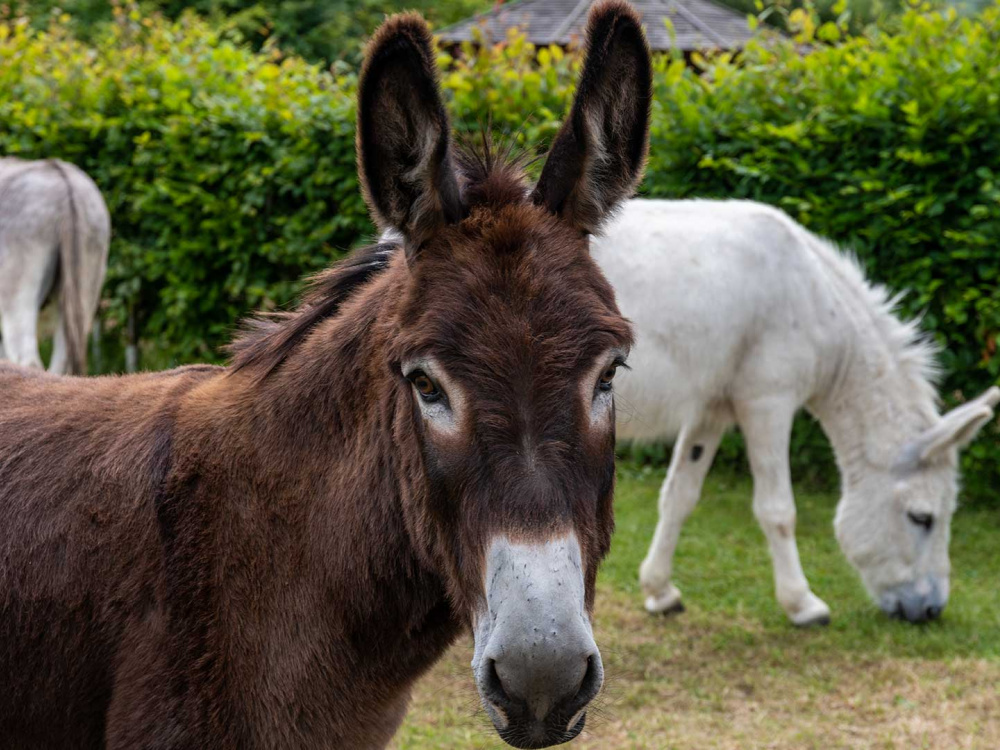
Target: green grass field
{"type": "Point", "coordinates": [732, 673]}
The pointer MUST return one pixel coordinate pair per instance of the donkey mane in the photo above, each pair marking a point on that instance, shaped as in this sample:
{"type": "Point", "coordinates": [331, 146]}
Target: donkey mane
{"type": "Point", "coordinates": [492, 170]}
{"type": "Point", "coordinates": [492, 174]}
{"type": "Point", "coordinates": [267, 339]}
{"type": "Point", "coordinates": [914, 351]}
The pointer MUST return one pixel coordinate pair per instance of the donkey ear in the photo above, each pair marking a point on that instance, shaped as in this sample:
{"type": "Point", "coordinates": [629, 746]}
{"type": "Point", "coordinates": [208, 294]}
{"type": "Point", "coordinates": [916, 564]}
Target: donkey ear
{"type": "Point", "coordinates": [957, 428]}
{"type": "Point", "coordinates": [403, 134]}
{"type": "Point", "coordinates": [598, 156]}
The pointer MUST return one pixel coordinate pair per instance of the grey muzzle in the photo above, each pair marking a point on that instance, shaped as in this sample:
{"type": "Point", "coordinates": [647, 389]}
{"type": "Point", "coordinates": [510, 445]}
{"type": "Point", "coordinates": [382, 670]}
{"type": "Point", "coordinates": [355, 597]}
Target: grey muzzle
{"type": "Point", "coordinates": [916, 602]}
{"type": "Point", "coordinates": [536, 664]}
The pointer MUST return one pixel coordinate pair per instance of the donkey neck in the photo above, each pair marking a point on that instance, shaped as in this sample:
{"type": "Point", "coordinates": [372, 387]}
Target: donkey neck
{"type": "Point", "coordinates": [878, 395]}
{"type": "Point", "coordinates": [337, 391]}
{"type": "Point", "coordinates": [327, 457]}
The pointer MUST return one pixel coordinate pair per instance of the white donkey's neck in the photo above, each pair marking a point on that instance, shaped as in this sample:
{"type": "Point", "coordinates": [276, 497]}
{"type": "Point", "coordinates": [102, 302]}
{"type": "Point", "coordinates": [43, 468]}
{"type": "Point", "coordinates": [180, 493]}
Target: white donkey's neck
{"type": "Point", "coordinates": [881, 393]}
{"type": "Point", "coordinates": [872, 413]}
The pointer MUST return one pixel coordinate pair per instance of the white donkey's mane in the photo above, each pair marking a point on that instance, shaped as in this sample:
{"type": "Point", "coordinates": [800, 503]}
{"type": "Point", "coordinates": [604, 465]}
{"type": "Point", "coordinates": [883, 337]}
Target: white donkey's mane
{"type": "Point", "coordinates": [915, 352]}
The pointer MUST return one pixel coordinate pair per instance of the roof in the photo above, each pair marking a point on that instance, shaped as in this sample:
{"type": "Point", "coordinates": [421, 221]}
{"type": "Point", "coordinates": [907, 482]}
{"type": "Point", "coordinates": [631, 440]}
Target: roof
{"type": "Point", "coordinates": [698, 24]}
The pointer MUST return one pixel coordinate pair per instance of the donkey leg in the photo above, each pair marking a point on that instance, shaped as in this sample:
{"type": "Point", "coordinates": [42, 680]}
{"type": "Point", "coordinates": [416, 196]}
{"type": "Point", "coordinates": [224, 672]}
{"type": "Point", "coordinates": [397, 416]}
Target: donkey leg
{"type": "Point", "coordinates": [767, 426]}
{"type": "Point", "coordinates": [692, 457]}
{"type": "Point", "coordinates": [59, 363]}
{"type": "Point", "coordinates": [19, 328]}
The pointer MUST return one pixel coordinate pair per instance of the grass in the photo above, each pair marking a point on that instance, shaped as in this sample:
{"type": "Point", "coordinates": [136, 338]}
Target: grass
{"type": "Point", "coordinates": [732, 673]}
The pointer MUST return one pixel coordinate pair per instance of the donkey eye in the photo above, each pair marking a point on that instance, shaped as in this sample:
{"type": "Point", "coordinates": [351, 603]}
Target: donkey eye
{"type": "Point", "coordinates": [604, 382]}
{"type": "Point", "coordinates": [606, 377]}
{"type": "Point", "coordinates": [926, 520]}
{"type": "Point", "coordinates": [426, 387]}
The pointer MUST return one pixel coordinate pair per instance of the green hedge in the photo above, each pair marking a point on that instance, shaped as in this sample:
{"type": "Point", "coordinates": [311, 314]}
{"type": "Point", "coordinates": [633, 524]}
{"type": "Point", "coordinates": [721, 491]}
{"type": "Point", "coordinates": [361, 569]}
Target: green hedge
{"type": "Point", "coordinates": [230, 174]}
{"type": "Point", "coordinates": [318, 30]}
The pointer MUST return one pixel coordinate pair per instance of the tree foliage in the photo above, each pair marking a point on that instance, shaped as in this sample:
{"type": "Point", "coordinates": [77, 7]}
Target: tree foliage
{"type": "Point", "coordinates": [228, 174]}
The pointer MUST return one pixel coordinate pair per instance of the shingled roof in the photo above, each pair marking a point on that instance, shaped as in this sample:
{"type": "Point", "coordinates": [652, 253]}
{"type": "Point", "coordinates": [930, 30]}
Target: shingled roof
{"type": "Point", "coordinates": [698, 24]}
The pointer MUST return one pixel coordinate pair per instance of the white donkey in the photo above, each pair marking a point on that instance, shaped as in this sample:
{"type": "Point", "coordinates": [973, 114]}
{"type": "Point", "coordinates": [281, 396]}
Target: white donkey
{"type": "Point", "coordinates": [54, 224]}
{"type": "Point", "coordinates": [743, 317]}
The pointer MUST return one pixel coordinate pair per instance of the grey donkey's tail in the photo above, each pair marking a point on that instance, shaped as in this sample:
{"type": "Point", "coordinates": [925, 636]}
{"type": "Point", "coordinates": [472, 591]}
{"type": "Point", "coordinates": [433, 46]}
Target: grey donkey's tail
{"type": "Point", "coordinates": [71, 307]}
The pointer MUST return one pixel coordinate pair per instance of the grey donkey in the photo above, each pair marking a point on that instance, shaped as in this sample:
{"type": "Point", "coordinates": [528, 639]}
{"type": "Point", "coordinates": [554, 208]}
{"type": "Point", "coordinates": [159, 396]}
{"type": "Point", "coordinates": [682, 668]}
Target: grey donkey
{"type": "Point", "coordinates": [54, 230]}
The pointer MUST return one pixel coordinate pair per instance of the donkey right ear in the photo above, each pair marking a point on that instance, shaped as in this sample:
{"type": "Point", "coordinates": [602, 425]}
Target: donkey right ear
{"type": "Point", "coordinates": [403, 134]}
{"type": "Point", "coordinates": [597, 159]}
{"type": "Point", "coordinates": [957, 428]}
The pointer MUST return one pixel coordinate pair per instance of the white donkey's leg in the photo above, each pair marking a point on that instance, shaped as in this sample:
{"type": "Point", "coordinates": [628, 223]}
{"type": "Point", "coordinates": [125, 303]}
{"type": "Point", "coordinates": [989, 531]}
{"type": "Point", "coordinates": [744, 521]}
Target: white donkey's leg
{"type": "Point", "coordinates": [767, 426]}
{"type": "Point", "coordinates": [26, 271]}
{"type": "Point", "coordinates": [19, 327]}
{"type": "Point", "coordinates": [692, 457]}
{"type": "Point", "coordinates": [59, 363]}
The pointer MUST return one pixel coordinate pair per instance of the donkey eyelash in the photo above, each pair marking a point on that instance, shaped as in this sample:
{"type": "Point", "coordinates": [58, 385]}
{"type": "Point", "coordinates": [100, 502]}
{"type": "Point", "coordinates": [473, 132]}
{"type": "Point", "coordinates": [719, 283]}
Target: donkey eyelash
{"type": "Point", "coordinates": [606, 387]}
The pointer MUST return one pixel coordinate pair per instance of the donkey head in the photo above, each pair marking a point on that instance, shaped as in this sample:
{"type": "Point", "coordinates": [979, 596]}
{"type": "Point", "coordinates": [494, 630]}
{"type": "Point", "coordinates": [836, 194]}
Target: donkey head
{"type": "Point", "coordinates": [900, 547]}
{"type": "Point", "coordinates": [504, 348]}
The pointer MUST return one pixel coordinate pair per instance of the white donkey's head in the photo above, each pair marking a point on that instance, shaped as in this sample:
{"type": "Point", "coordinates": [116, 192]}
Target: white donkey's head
{"type": "Point", "coordinates": [894, 523]}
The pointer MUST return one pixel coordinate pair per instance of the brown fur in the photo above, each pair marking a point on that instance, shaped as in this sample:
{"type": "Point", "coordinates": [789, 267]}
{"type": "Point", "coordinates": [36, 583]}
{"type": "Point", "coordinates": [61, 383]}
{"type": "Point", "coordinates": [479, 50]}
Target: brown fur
{"type": "Point", "coordinates": [268, 555]}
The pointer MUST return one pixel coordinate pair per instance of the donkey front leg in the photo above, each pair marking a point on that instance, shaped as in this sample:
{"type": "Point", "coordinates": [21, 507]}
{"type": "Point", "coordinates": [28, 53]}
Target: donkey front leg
{"type": "Point", "coordinates": [692, 457]}
{"type": "Point", "coordinates": [767, 426]}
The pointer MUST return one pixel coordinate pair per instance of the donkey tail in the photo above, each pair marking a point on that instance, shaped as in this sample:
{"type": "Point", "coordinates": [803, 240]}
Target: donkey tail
{"type": "Point", "coordinates": [71, 306]}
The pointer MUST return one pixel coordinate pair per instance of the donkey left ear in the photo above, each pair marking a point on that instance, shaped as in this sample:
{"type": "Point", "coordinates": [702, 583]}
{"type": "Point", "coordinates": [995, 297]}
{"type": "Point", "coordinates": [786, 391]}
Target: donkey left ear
{"type": "Point", "coordinates": [958, 427]}
{"type": "Point", "coordinates": [597, 159]}
{"type": "Point", "coordinates": [403, 134]}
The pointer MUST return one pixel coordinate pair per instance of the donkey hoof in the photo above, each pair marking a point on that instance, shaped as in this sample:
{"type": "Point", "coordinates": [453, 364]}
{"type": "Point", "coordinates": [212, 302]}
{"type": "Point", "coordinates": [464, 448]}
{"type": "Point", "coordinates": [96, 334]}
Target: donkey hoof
{"type": "Point", "coordinates": [815, 614]}
{"type": "Point", "coordinates": [667, 603]}
{"type": "Point", "coordinates": [819, 621]}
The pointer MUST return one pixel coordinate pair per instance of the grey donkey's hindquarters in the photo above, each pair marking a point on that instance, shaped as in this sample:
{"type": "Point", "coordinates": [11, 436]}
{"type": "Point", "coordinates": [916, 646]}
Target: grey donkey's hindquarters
{"type": "Point", "coordinates": [54, 225]}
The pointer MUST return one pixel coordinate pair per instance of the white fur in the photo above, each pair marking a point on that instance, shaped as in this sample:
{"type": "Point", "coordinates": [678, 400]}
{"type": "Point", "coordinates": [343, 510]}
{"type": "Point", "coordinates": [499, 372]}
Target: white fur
{"type": "Point", "coordinates": [744, 317]}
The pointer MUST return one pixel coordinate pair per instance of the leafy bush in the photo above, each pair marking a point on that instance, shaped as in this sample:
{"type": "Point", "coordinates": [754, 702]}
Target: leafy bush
{"type": "Point", "coordinates": [230, 174]}
{"type": "Point", "coordinates": [318, 30]}
{"type": "Point", "coordinates": [335, 30]}
{"type": "Point", "coordinates": [520, 91]}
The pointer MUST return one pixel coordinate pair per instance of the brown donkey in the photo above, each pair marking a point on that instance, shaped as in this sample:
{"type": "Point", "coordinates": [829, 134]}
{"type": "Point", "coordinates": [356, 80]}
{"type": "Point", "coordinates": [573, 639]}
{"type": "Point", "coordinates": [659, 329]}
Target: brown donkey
{"type": "Point", "coordinates": [269, 555]}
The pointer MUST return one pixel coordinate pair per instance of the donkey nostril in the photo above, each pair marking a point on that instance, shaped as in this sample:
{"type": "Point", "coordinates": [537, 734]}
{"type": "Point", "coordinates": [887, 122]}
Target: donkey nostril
{"type": "Point", "coordinates": [933, 612]}
{"type": "Point", "coordinates": [592, 681]}
{"type": "Point", "coordinates": [493, 688]}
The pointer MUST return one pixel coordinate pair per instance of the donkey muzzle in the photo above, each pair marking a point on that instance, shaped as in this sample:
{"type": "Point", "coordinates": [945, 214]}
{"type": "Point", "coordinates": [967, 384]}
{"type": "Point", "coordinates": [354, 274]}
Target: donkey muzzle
{"type": "Point", "coordinates": [916, 602]}
{"type": "Point", "coordinates": [536, 664]}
